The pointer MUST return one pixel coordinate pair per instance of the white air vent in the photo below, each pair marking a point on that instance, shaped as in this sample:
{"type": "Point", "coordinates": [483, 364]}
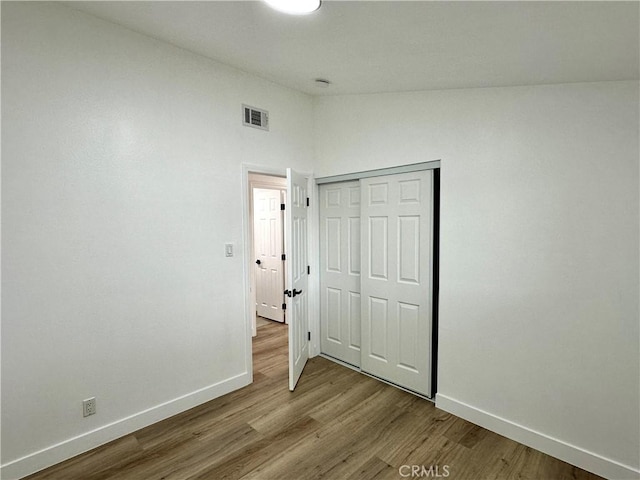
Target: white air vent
{"type": "Point", "coordinates": [255, 117]}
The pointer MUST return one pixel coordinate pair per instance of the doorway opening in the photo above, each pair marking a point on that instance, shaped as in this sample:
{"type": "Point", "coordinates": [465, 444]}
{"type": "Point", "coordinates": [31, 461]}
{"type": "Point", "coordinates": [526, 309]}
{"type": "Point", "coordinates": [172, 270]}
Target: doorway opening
{"type": "Point", "coordinates": [267, 197]}
{"type": "Point", "coordinates": [268, 347]}
{"type": "Point", "coordinates": [295, 260]}
{"type": "Point", "coordinates": [265, 194]}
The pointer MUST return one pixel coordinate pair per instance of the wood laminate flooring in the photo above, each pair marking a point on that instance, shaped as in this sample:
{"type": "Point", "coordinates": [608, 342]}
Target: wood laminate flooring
{"type": "Point", "coordinates": [338, 424]}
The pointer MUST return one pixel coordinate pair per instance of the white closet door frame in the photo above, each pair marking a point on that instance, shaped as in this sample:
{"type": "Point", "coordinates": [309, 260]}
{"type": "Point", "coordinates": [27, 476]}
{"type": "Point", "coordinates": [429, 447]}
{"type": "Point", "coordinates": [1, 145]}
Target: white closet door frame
{"type": "Point", "coordinates": [413, 167]}
{"type": "Point", "coordinates": [433, 252]}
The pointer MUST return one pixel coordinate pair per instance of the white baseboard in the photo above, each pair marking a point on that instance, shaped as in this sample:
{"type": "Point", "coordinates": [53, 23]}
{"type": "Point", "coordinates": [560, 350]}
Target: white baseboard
{"type": "Point", "coordinates": [577, 456]}
{"type": "Point", "coordinates": [54, 454]}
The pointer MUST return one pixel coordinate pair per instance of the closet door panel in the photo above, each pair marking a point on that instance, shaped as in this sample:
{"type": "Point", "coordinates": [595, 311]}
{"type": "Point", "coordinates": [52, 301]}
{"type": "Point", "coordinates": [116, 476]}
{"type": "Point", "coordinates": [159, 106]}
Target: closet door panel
{"type": "Point", "coordinates": [354, 244]}
{"type": "Point", "coordinates": [396, 279]}
{"type": "Point", "coordinates": [378, 331]}
{"type": "Point", "coordinates": [355, 323]}
{"type": "Point", "coordinates": [334, 315]}
{"type": "Point", "coordinates": [340, 258]}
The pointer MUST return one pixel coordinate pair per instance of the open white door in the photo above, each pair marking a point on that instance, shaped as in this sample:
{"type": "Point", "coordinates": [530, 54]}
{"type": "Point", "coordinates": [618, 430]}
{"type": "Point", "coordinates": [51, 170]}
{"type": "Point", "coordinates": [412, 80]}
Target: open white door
{"type": "Point", "coordinates": [297, 293]}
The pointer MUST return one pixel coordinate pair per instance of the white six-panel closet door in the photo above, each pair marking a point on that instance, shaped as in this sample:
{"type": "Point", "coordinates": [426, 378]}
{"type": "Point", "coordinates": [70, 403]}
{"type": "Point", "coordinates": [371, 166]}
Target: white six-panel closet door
{"type": "Point", "coordinates": [340, 271]}
{"type": "Point", "coordinates": [396, 279]}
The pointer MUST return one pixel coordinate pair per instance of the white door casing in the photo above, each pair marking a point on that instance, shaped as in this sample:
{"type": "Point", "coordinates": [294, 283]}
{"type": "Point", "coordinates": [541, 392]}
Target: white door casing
{"type": "Point", "coordinates": [396, 279]}
{"type": "Point", "coordinates": [268, 248]}
{"type": "Point", "coordinates": [296, 252]}
{"type": "Point", "coordinates": [340, 271]}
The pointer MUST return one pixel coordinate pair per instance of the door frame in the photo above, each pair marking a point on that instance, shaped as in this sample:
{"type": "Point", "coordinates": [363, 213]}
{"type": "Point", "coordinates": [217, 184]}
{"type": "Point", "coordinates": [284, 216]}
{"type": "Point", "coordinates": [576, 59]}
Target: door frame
{"type": "Point", "coordinates": [313, 236]}
{"type": "Point", "coordinates": [413, 167]}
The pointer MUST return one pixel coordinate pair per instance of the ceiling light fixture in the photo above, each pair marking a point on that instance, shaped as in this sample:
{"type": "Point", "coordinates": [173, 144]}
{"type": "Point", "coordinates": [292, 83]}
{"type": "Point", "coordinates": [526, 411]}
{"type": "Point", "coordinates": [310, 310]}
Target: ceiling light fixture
{"type": "Point", "coordinates": [294, 7]}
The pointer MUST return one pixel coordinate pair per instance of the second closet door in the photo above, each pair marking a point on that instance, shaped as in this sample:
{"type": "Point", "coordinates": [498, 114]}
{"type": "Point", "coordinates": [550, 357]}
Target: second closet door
{"type": "Point", "coordinates": [396, 279]}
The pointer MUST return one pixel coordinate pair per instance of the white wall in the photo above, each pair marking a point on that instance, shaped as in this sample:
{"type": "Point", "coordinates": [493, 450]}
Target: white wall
{"type": "Point", "coordinates": [121, 183]}
{"type": "Point", "coordinates": [539, 252]}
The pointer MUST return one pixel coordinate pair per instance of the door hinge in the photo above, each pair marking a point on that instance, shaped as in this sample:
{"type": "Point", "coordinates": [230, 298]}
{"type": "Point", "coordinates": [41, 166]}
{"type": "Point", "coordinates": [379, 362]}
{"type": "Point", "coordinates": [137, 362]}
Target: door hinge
{"type": "Point", "coordinates": [307, 201]}
{"type": "Point", "coordinates": [282, 206]}
{"type": "Point", "coordinates": [284, 306]}
{"type": "Point", "coordinates": [308, 270]}
{"type": "Point", "coordinates": [309, 336]}
{"type": "Point", "coordinates": [284, 257]}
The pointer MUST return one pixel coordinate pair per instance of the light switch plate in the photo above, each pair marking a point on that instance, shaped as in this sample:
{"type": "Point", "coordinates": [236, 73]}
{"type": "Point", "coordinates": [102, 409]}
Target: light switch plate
{"type": "Point", "coordinates": [228, 249]}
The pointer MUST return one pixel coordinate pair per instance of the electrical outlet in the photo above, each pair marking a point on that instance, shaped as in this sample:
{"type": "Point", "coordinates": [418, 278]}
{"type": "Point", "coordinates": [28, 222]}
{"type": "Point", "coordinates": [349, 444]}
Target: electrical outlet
{"type": "Point", "coordinates": [89, 406]}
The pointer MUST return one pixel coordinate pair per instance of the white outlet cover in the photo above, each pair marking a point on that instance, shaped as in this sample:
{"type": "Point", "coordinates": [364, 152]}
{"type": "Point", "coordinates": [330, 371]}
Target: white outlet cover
{"type": "Point", "coordinates": [89, 406]}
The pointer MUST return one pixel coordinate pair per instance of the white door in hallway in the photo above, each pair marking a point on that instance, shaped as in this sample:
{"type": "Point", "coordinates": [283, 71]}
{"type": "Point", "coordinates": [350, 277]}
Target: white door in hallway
{"type": "Point", "coordinates": [340, 271]}
{"type": "Point", "coordinates": [268, 246]}
{"type": "Point", "coordinates": [396, 279]}
{"type": "Point", "coordinates": [296, 253]}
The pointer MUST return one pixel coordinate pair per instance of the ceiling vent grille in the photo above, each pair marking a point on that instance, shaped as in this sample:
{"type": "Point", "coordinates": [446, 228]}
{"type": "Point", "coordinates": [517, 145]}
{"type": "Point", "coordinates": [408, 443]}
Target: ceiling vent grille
{"type": "Point", "coordinates": [255, 117]}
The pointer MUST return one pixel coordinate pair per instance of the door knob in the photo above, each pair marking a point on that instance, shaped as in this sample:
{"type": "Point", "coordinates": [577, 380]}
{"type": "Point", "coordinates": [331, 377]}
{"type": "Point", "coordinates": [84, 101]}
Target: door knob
{"type": "Point", "coordinates": [296, 292]}
{"type": "Point", "coordinates": [258, 262]}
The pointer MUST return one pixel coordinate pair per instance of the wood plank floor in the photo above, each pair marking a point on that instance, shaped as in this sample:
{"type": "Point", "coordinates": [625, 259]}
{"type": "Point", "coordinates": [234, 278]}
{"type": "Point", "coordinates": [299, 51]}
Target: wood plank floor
{"type": "Point", "coordinates": [338, 424]}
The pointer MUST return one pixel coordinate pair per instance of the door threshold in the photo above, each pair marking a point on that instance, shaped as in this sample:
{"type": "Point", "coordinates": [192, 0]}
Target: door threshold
{"type": "Point", "coordinates": [340, 362]}
{"type": "Point", "coordinates": [359, 370]}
